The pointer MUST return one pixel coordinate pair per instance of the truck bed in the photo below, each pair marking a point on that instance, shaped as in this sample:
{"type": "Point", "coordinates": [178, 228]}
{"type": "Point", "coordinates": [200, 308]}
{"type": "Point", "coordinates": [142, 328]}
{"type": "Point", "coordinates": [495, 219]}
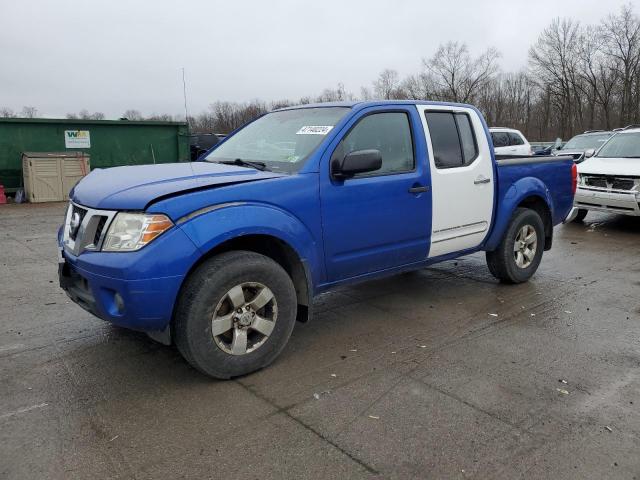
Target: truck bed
{"type": "Point", "coordinates": [551, 173]}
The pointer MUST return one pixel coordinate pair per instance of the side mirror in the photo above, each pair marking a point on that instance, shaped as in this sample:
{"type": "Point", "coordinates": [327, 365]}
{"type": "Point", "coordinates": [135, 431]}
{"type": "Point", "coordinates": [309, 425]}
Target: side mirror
{"type": "Point", "coordinates": [360, 161]}
{"type": "Point", "coordinates": [590, 152]}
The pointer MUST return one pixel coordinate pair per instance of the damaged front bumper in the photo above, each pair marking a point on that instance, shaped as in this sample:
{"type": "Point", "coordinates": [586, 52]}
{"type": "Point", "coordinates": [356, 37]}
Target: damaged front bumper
{"type": "Point", "coordinates": [624, 202]}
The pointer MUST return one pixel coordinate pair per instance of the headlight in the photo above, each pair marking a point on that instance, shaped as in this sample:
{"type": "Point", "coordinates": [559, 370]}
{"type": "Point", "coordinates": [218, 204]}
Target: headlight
{"type": "Point", "coordinates": [132, 231]}
{"type": "Point", "coordinates": [580, 180]}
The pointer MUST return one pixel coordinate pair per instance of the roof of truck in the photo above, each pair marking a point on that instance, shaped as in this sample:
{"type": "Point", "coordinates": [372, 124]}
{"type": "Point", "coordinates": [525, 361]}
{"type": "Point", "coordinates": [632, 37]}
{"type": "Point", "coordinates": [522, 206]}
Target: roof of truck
{"type": "Point", "coordinates": [375, 103]}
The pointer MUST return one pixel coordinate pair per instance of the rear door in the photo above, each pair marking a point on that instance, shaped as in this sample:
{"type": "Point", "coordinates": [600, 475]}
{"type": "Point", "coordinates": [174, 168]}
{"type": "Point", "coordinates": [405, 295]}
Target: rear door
{"type": "Point", "coordinates": [462, 178]}
{"type": "Point", "coordinates": [378, 220]}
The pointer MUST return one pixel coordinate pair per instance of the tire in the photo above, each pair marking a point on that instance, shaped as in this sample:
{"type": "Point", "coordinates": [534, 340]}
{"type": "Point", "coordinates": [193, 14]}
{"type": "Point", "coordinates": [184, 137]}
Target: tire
{"type": "Point", "coordinates": [209, 299]}
{"type": "Point", "coordinates": [503, 262]}
{"type": "Point", "coordinates": [582, 213]}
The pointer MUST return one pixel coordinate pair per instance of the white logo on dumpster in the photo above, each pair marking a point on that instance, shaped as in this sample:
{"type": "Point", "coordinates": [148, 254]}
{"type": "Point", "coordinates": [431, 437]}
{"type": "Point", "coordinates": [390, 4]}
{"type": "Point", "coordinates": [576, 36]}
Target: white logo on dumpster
{"type": "Point", "coordinates": [77, 139]}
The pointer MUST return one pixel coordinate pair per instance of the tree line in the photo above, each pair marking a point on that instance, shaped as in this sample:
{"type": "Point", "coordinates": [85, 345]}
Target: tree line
{"type": "Point", "coordinates": [579, 77]}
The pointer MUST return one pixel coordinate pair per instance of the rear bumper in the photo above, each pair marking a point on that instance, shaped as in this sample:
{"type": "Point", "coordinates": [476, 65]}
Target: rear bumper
{"type": "Point", "coordinates": [135, 290]}
{"type": "Point", "coordinates": [611, 201]}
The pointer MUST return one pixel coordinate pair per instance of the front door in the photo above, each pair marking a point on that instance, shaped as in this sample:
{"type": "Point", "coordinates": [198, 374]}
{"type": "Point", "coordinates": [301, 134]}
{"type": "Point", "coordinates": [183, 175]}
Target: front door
{"type": "Point", "coordinates": [462, 178]}
{"type": "Point", "coordinates": [378, 220]}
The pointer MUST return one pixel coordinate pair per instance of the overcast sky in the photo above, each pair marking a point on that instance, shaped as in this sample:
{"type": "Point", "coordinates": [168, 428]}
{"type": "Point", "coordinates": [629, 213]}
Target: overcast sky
{"type": "Point", "coordinates": [62, 56]}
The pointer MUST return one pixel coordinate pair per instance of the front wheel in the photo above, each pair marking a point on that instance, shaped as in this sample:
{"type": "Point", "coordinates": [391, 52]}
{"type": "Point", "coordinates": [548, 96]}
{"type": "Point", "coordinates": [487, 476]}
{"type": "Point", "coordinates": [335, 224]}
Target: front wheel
{"type": "Point", "coordinates": [235, 314]}
{"type": "Point", "coordinates": [519, 254]}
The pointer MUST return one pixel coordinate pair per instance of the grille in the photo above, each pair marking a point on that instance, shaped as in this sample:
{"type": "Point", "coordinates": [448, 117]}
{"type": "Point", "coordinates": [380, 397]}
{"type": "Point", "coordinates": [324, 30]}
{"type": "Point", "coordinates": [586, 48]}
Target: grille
{"type": "Point", "coordinates": [81, 212]}
{"type": "Point", "coordinates": [614, 183]}
{"type": "Point", "coordinates": [597, 182]}
{"type": "Point", "coordinates": [88, 234]}
{"type": "Point", "coordinates": [623, 183]}
{"type": "Point", "coordinates": [101, 223]}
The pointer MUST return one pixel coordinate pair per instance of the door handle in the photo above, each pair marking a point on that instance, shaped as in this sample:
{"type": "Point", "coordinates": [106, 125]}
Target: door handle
{"type": "Point", "coordinates": [419, 189]}
{"type": "Point", "coordinates": [480, 180]}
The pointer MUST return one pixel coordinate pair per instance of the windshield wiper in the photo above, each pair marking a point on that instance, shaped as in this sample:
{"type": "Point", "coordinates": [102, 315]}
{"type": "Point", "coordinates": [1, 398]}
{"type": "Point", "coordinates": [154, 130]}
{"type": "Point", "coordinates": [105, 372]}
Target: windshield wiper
{"type": "Point", "coordinates": [245, 163]}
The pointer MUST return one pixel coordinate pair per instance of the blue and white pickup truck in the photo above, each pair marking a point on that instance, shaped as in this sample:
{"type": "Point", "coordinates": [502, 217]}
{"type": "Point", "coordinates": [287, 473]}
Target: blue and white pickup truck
{"type": "Point", "coordinates": [222, 256]}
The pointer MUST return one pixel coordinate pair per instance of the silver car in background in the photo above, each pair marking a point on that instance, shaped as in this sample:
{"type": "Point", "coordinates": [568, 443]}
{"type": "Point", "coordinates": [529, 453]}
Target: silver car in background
{"type": "Point", "coordinates": [591, 139]}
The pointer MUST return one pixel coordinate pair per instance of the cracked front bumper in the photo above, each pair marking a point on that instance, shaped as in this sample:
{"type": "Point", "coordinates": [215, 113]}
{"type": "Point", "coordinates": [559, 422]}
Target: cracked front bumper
{"type": "Point", "coordinates": [625, 202]}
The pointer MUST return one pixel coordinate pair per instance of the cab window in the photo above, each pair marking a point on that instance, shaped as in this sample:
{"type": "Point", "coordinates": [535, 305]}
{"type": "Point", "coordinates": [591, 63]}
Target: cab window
{"type": "Point", "coordinates": [387, 132]}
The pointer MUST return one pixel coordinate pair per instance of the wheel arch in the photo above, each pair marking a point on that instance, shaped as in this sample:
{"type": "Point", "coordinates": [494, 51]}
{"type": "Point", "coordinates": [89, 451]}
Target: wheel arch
{"type": "Point", "coordinates": [528, 192]}
{"type": "Point", "coordinates": [280, 252]}
{"type": "Point", "coordinates": [540, 206]}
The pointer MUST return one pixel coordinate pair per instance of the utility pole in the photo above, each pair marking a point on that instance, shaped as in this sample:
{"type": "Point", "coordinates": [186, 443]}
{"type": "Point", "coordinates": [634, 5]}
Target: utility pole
{"type": "Point", "coordinates": [184, 92]}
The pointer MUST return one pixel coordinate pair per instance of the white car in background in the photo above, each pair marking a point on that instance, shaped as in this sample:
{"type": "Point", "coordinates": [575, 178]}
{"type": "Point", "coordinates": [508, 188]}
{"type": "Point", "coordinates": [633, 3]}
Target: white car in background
{"type": "Point", "coordinates": [609, 180]}
{"type": "Point", "coordinates": [509, 141]}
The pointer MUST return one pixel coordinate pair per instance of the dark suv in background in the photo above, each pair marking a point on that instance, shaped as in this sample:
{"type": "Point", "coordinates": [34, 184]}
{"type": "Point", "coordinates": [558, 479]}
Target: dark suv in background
{"type": "Point", "coordinates": [203, 142]}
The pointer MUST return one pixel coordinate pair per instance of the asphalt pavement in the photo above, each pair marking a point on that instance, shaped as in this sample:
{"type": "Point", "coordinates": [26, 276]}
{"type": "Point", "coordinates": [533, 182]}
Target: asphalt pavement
{"type": "Point", "coordinates": [442, 373]}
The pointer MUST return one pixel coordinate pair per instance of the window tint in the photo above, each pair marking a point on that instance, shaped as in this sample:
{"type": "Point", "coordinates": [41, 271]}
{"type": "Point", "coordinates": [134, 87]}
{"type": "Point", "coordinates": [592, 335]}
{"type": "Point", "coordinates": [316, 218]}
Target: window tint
{"type": "Point", "coordinates": [444, 139]}
{"type": "Point", "coordinates": [515, 139]}
{"type": "Point", "coordinates": [452, 138]}
{"type": "Point", "coordinates": [467, 138]}
{"type": "Point", "coordinates": [389, 133]}
{"type": "Point", "coordinates": [500, 139]}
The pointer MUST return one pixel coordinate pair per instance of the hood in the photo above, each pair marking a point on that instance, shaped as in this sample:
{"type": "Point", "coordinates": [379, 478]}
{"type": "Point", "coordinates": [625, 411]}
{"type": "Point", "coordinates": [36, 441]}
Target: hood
{"type": "Point", "coordinates": [560, 153]}
{"type": "Point", "coordinates": [619, 167]}
{"type": "Point", "coordinates": [135, 187]}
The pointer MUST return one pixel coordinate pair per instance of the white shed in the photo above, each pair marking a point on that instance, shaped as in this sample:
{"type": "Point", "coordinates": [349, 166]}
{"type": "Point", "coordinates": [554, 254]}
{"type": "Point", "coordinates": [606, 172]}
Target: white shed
{"type": "Point", "coordinates": [49, 176]}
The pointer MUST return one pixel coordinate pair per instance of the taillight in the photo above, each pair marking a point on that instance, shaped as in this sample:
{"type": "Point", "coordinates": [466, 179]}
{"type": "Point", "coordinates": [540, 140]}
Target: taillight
{"type": "Point", "coordinates": [574, 178]}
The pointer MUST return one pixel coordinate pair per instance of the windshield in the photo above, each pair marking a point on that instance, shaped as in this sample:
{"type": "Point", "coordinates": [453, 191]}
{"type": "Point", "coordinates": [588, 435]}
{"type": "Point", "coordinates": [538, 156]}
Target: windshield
{"type": "Point", "coordinates": [584, 142]}
{"type": "Point", "coordinates": [281, 140]}
{"type": "Point", "coordinates": [623, 145]}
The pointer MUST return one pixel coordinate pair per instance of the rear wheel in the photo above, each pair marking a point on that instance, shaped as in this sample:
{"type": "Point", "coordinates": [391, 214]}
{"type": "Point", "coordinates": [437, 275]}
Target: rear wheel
{"type": "Point", "coordinates": [519, 254]}
{"type": "Point", "coordinates": [235, 314]}
{"type": "Point", "coordinates": [582, 213]}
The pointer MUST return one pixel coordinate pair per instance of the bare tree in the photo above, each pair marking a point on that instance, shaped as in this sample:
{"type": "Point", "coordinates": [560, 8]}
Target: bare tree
{"type": "Point", "coordinates": [29, 112]}
{"type": "Point", "coordinates": [599, 77]}
{"type": "Point", "coordinates": [281, 104]}
{"type": "Point", "coordinates": [418, 87]}
{"type": "Point", "coordinates": [84, 114]}
{"type": "Point", "coordinates": [386, 85]}
{"type": "Point", "coordinates": [162, 117]}
{"type": "Point", "coordinates": [6, 112]}
{"type": "Point", "coordinates": [132, 114]}
{"type": "Point", "coordinates": [554, 60]}
{"type": "Point", "coordinates": [622, 42]}
{"type": "Point", "coordinates": [365, 94]}
{"type": "Point", "coordinates": [458, 76]}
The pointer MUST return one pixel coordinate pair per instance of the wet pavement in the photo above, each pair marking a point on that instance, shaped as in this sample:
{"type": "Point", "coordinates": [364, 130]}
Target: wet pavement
{"type": "Point", "coordinates": [442, 373]}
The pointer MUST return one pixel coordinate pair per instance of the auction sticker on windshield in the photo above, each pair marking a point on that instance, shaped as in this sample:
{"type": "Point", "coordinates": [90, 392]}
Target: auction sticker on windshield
{"type": "Point", "coordinates": [314, 130]}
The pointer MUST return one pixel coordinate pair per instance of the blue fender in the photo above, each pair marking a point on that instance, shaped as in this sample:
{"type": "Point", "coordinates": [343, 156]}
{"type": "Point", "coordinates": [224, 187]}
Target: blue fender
{"type": "Point", "coordinates": [238, 219]}
{"type": "Point", "coordinates": [520, 190]}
